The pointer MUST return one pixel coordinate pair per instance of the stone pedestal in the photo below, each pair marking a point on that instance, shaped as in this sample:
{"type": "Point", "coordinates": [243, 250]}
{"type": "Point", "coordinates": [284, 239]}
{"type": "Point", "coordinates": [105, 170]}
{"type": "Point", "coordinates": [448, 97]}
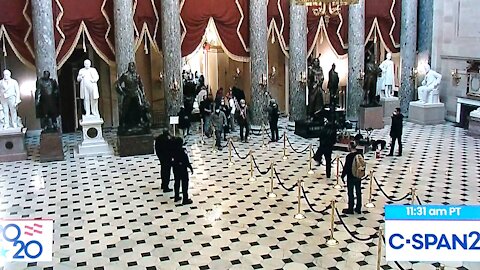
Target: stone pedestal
{"type": "Point", "coordinates": [389, 105]}
{"type": "Point", "coordinates": [474, 124]}
{"type": "Point", "coordinates": [51, 147]}
{"type": "Point", "coordinates": [93, 143]}
{"type": "Point", "coordinates": [12, 144]}
{"type": "Point", "coordinates": [370, 117]}
{"type": "Point", "coordinates": [135, 145]}
{"type": "Point", "coordinates": [426, 114]}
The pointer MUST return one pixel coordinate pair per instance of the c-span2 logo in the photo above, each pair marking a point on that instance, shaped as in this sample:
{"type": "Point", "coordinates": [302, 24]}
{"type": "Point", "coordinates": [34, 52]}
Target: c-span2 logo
{"type": "Point", "coordinates": [26, 240]}
{"type": "Point", "coordinates": [432, 233]}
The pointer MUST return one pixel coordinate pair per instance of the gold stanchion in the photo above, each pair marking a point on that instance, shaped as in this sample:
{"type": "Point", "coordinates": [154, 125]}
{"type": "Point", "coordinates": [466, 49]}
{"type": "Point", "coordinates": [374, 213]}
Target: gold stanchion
{"type": "Point", "coordinates": [202, 141]}
{"type": "Point", "coordinates": [379, 249]}
{"type": "Point", "coordinates": [332, 241]}
{"type": "Point", "coordinates": [252, 177]}
{"type": "Point", "coordinates": [270, 193]}
{"type": "Point", "coordinates": [338, 185]}
{"type": "Point", "coordinates": [230, 160]}
{"type": "Point", "coordinates": [414, 195]}
{"type": "Point", "coordinates": [299, 214]}
{"type": "Point", "coordinates": [370, 204]}
{"type": "Point", "coordinates": [214, 148]}
{"type": "Point", "coordinates": [264, 145]}
{"type": "Point", "coordinates": [310, 150]}
{"type": "Point", "coordinates": [285, 157]}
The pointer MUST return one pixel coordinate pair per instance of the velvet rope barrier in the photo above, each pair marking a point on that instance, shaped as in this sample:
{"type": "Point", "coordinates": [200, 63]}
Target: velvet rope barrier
{"type": "Point", "coordinates": [369, 238]}
{"type": "Point", "coordinates": [387, 196]}
{"type": "Point", "coordinates": [311, 206]}
{"type": "Point", "coordinates": [236, 152]}
{"type": "Point", "coordinates": [281, 183]}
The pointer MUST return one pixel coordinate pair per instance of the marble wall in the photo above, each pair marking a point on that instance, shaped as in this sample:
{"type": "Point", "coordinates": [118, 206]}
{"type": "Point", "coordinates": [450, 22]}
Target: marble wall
{"type": "Point", "coordinates": [456, 38]}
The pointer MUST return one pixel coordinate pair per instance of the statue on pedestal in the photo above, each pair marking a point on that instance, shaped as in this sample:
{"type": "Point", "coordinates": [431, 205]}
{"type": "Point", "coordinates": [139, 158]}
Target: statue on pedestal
{"type": "Point", "coordinates": [135, 117]}
{"type": "Point", "coordinates": [333, 82]}
{"type": "Point", "coordinates": [315, 82]}
{"type": "Point", "coordinates": [10, 98]}
{"type": "Point", "coordinates": [370, 83]}
{"type": "Point", "coordinates": [47, 102]}
{"type": "Point", "coordinates": [428, 92]}
{"type": "Point", "coordinates": [88, 78]}
{"type": "Point", "coordinates": [388, 77]}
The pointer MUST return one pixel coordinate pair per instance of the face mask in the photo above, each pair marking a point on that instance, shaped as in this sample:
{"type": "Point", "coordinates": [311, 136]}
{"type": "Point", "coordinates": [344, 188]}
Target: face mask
{"type": "Point", "coordinates": [217, 111]}
{"type": "Point", "coordinates": [242, 105]}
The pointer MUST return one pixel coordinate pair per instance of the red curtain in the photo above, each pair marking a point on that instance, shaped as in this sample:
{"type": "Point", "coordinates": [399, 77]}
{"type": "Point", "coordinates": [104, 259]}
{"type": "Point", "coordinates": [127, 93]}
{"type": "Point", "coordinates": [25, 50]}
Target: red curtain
{"type": "Point", "coordinates": [231, 21]}
{"type": "Point", "coordinates": [147, 13]}
{"type": "Point", "coordinates": [278, 11]}
{"type": "Point", "coordinates": [16, 28]}
{"type": "Point", "coordinates": [96, 16]}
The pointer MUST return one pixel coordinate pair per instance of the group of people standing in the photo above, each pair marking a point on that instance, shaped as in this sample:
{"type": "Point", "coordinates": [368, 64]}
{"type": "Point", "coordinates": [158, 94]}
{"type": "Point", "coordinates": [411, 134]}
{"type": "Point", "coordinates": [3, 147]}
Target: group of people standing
{"type": "Point", "coordinates": [172, 155]}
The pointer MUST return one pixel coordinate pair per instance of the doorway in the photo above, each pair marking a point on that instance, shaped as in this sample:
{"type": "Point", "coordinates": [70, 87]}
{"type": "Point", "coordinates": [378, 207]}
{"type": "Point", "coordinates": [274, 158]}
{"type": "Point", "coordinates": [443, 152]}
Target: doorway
{"type": "Point", "coordinates": [71, 105]}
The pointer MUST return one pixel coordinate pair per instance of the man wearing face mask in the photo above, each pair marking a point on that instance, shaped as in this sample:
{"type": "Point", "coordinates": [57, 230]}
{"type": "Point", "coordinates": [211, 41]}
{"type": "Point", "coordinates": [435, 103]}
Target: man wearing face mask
{"type": "Point", "coordinates": [243, 120]}
{"type": "Point", "coordinates": [219, 122]}
{"type": "Point", "coordinates": [226, 110]}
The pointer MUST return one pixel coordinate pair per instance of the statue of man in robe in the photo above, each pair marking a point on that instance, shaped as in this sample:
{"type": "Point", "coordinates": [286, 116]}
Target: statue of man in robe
{"type": "Point", "coordinates": [9, 98]}
{"type": "Point", "coordinates": [315, 82]}
{"type": "Point", "coordinates": [388, 76]}
{"type": "Point", "coordinates": [88, 78]}
{"type": "Point", "coordinates": [333, 82]}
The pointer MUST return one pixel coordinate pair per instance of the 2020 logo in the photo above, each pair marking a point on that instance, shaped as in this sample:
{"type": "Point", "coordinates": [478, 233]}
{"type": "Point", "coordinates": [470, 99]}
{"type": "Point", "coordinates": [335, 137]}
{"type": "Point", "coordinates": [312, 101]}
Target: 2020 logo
{"type": "Point", "coordinates": [26, 240]}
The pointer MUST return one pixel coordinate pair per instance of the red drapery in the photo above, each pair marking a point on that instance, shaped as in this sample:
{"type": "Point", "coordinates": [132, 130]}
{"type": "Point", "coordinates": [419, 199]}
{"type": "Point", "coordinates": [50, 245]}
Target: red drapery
{"type": "Point", "coordinates": [147, 23]}
{"type": "Point", "coordinates": [16, 29]}
{"type": "Point", "coordinates": [231, 22]}
{"type": "Point", "coordinates": [93, 20]}
{"type": "Point", "coordinates": [78, 20]}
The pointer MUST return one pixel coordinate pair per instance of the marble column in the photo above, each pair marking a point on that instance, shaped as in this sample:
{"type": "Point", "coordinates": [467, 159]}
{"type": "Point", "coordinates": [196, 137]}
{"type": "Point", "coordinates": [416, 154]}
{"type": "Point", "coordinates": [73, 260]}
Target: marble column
{"type": "Point", "coordinates": [258, 59]}
{"type": "Point", "coordinates": [425, 26]}
{"type": "Point", "coordinates": [172, 55]}
{"type": "Point", "coordinates": [297, 61]}
{"type": "Point", "coordinates": [408, 48]}
{"type": "Point", "coordinates": [42, 18]}
{"type": "Point", "coordinates": [356, 58]}
{"type": "Point", "coordinates": [124, 34]}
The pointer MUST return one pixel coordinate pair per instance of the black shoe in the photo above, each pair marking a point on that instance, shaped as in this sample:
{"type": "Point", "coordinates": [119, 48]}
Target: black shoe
{"type": "Point", "coordinates": [358, 211]}
{"type": "Point", "coordinates": [167, 190]}
{"type": "Point", "coordinates": [177, 199]}
{"type": "Point", "coordinates": [186, 202]}
{"type": "Point", "coordinates": [390, 155]}
{"type": "Point", "coordinates": [347, 211]}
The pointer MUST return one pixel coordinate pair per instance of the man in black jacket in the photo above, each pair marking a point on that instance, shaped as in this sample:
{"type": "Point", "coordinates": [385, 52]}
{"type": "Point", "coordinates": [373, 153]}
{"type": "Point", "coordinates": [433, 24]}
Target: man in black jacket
{"type": "Point", "coordinates": [273, 114]}
{"type": "Point", "coordinates": [180, 165]}
{"type": "Point", "coordinates": [352, 181]}
{"type": "Point", "coordinates": [163, 150]}
{"type": "Point", "coordinates": [396, 131]}
{"type": "Point", "coordinates": [328, 138]}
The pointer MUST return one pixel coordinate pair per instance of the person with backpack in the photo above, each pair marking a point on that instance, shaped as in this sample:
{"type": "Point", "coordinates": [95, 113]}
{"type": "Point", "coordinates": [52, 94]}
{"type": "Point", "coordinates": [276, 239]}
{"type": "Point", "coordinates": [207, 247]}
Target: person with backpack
{"type": "Point", "coordinates": [354, 170]}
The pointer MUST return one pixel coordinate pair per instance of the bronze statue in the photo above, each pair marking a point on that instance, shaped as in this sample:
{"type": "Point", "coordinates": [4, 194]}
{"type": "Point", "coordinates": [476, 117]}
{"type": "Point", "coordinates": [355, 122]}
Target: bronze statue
{"type": "Point", "coordinates": [47, 102]}
{"type": "Point", "coordinates": [333, 82]}
{"type": "Point", "coordinates": [134, 109]}
{"type": "Point", "coordinates": [370, 83]}
{"type": "Point", "coordinates": [315, 82]}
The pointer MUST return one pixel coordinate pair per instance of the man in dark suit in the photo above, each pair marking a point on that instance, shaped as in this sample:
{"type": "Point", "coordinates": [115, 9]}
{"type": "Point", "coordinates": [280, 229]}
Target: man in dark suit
{"type": "Point", "coordinates": [180, 164]}
{"type": "Point", "coordinates": [163, 150]}
{"type": "Point", "coordinates": [396, 131]}
{"type": "Point", "coordinates": [328, 138]}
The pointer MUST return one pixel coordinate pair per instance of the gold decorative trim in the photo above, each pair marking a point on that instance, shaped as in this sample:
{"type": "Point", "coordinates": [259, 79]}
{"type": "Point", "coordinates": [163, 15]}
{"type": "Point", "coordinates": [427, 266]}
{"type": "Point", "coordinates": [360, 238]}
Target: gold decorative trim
{"type": "Point", "coordinates": [393, 25]}
{"type": "Point", "coordinates": [240, 22]}
{"type": "Point", "coordinates": [30, 25]}
{"type": "Point", "coordinates": [4, 33]}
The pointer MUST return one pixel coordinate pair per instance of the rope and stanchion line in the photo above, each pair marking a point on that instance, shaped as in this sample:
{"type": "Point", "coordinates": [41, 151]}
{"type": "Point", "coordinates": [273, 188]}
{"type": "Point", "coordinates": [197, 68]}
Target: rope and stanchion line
{"type": "Point", "coordinates": [338, 185]}
{"type": "Point", "coordinates": [389, 197]}
{"type": "Point", "coordinates": [284, 157]}
{"type": "Point", "coordinates": [332, 241]}
{"type": "Point", "coordinates": [311, 206]}
{"type": "Point", "coordinates": [258, 168]}
{"type": "Point", "coordinates": [379, 248]}
{"type": "Point", "coordinates": [310, 170]}
{"type": "Point", "coordinates": [299, 214]}
{"type": "Point", "coordinates": [202, 141]}
{"type": "Point", "coordinates": [370, 204]}
{"type": "Point", "coordinates": [281, 183]}
{"type": "Point", "coordinates": [252, 177]}
{"type": "Point", "coordinates": [230, 160]}
{"type": "Point", "coordinates": [369, 238]}
{"type": "Point", "coordinates": [236, 152]}
{"type": "Point", "coordinates": [271, 194]}
{"type": "Point", "coordinates": [295, 150]}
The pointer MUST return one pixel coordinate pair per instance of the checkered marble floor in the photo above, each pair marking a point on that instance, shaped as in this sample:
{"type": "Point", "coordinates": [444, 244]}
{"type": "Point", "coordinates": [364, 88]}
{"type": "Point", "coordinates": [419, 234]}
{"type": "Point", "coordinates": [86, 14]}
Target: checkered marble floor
{"type": "Point", "coordinates": [109, 212]}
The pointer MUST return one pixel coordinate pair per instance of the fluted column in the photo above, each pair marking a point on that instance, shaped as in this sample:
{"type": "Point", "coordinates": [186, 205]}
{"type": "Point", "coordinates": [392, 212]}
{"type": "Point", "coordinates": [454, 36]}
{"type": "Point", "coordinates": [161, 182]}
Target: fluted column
{"type": "Point", "coordinates": [124, 34]}
{"type": "Point", "coordinates": [42, 18]}
{"type": "Point", "coordinates": [298, 61]}
{"type": "Point", "coordinates": [172, 55]}
{"type": "Point", "coordinates": [258, 58]}
{"type": "Point", "coordinates": [356, 58]}
{"type": "Point", "coordinates": [408, 40]}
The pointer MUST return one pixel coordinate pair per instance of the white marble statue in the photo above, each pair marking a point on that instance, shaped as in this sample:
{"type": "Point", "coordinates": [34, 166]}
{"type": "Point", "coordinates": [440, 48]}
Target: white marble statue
{"type": "Point", "coordinates": [388, 77]}
{"type": "Point", "coordinates": [428, 92]}
{"type": "Point", "coordinates": [88, 78]}
{"type": "Point", "coordinates": [9, 98]}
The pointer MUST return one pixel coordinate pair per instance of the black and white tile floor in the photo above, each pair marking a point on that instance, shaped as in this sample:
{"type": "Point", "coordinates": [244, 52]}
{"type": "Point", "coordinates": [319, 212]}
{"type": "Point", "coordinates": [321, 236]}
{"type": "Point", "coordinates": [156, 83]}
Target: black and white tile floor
{"type": "Point", "coordinates": [109, 212]}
